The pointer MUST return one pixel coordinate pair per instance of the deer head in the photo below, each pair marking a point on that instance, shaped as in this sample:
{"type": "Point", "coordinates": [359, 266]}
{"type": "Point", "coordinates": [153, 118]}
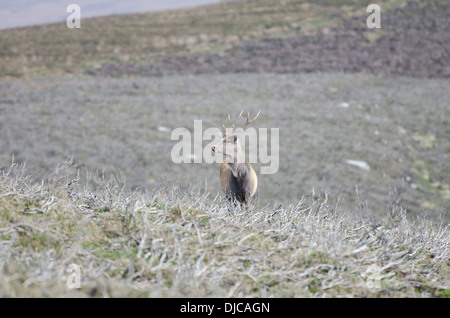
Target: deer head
{"type": "Point", "coordinates": [230, 144]}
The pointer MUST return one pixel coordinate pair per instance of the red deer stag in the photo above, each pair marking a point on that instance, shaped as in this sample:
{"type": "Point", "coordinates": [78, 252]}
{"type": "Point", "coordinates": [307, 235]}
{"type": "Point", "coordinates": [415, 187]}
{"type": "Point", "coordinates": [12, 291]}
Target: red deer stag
{"type": "Point", "coordinates": [237, 177]}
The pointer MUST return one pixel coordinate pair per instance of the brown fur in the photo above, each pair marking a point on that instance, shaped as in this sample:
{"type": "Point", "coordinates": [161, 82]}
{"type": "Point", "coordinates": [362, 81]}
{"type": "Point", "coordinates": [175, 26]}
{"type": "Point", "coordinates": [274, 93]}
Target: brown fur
{"type": "Point", "coordinates": [238, 181]}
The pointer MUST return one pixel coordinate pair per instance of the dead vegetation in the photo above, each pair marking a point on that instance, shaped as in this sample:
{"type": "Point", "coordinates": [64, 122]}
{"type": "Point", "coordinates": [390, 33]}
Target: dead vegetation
{"type": "Point", "coordinates": [180, 243]}
{"type": "Point", "coordinates": [413, 41]}
{"type": "Point", "coordinates": [288, 36]}
{"type": "Point", "coordinates": [140, 38]}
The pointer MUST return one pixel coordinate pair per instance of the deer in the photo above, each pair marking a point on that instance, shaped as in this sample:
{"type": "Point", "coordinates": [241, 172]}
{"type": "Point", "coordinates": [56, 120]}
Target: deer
{"type": "Point", "coordinates": [238, 179]}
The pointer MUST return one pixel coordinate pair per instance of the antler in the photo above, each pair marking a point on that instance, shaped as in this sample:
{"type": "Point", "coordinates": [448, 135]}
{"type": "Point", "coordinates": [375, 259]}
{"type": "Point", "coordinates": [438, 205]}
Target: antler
{"type": "Point", "coordinates": [250, 121]}
{"type": "Point", "coordinates": [233, 121]}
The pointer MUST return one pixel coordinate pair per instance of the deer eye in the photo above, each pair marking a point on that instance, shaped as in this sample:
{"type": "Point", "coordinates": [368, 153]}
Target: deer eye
{"type": "Point", "coordinates": [235, 138]}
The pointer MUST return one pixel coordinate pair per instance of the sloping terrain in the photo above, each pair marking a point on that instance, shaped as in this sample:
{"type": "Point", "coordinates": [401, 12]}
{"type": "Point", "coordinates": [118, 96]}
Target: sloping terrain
{"type": "Point", "coordinates": [172, 243]}
{"type": "Point", "coordinates": [142, 40]}
{"type": "Point", "coordinates": [395, 125]}
{"type": "Point", "coordinates": [414, 40]}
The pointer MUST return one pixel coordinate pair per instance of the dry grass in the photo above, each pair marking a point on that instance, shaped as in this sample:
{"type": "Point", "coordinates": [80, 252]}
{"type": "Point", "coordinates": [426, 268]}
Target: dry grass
{"type": "Point", "coordinates": [396, 125]}
{"type": "Point", "coordinates": [180, 243]}
{"type": "Point", "coordinates": [55, 49]}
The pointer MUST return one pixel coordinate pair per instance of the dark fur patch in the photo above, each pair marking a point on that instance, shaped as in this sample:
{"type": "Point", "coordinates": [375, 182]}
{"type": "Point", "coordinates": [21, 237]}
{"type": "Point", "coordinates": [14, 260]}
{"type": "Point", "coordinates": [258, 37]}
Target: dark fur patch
{"type": "Point", "coordinates": [241, 184]}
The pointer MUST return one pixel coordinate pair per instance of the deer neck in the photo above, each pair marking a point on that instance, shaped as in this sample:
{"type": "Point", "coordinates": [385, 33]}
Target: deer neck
{"type": "Point", "coordinates": [237, 162]}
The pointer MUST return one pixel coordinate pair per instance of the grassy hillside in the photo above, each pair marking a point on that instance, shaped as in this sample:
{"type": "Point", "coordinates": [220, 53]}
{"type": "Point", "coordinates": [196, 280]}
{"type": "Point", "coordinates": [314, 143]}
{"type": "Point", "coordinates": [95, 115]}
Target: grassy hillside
{"type": "Point", "coordinates": [283, 36]}
{"type": "Point", "coordinates": [175, 243]}
{"type": "Point", "coordinates": [148, 37]}
{"type": "Point", "coordinates": [414, 40]}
